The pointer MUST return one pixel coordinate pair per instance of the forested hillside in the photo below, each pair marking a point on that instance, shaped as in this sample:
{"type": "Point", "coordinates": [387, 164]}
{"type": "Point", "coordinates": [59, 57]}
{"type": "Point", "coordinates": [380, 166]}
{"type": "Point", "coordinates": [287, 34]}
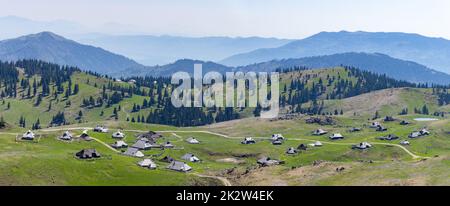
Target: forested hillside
{"type": "Point", "coordinates": [36, 94]}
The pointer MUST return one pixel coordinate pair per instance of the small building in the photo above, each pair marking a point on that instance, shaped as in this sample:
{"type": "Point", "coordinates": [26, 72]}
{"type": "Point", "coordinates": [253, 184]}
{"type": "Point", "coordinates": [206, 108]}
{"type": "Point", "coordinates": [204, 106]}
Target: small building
{"type": "Point", "coordinates": [336, 136]}
{"type": "Point", "coordinates": [190, 157]}
{"type": "Point", "coordinates": [248, 140]}
{"type": "Point", "coordinates": [424, 132]}
{"type": "Point", "coordinates": [381, 129]}
{"type": "Point", "coordinates": [389, 119]}
{"type": "Point", "coordinates": [85, 136]}
{"type": "Point", "coordinates": [291, 151]}
{"type": "Point", "coordinates": [418, 134]}
{"type": "Point", "coordinates": [319, 132]}
{"type": "Point", "coordinates": [277, 142]}
{"type": "Point", "coordinates": [362, 146]}
{"type": "Point", "coordinates": [404, 122]}
{"type": "Point", "coordinates": [277, 137]}
{"type": "Point", "coordinates": [355, 129]}
{"type": "Point", "coordinates": [29, 135]}
{"type": "Point", "coordinates": [142, 145]}
{"type": "Point", "coordinates": [179, 166]}
{"type": "Point", "coordinates": [405, 142]}
{"type": "Point", "coordinates": [66, 136]}
{"type": "Point", "coordinates": [119, 144]}
{"type": "Point", "coordinates": [132, 81]}
{"type": "Point", "coordinates": [303, 147]}
{"type": "Point", "coordinates": [100, 129]}
{"type": "Point", "coordinates": [133, 152]}
{"type": "Point", "coordinates": [389, 137]}
{"type": "Point", "coordinates": [192, 140]}
{"type": "Point", "coordinates": [267, 161]}
{"type": "Point", "coordinates": [88, 154]}
{"type": "Point", "coordinates": [375, 125]}
{"type": "Point", "coordinates": [118, 135]}
{"type": "Point", "coordinates": [167, 159]}
{"type": "Point", "coordinates": [318, 144]}
{"type": "Point", "coordinates": [414, 135]}
{"type": "Point", "coordinates": [148, 163]}
{"type": "Point", "coordinates": [168, 145]}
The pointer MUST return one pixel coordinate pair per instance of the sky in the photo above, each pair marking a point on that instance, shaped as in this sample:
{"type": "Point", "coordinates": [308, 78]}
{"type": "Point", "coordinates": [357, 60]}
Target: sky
{"type": "Point", "coordinates": [267, 18]}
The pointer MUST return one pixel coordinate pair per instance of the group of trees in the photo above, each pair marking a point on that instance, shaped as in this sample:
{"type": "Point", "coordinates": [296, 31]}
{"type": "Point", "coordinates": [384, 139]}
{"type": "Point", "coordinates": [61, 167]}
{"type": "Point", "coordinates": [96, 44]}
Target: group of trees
{"type": "Point", "coordinates": [8, 80]}
{"type": "Point", "coordinates": [58, 119]}
{"type": "Point", "coordinates": [36, 125]}
{"type": "Point", "coordinates": [187, 116]}
{"type": "Point", "coordinates": [443, 95]}
{"type": "Point", "coordinates": [423, 110]}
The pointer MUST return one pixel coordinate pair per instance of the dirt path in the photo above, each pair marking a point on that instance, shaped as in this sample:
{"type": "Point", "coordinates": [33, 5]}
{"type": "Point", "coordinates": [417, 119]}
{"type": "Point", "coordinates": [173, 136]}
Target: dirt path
{"type": "Point", "coordinates": [8, 133]}
{"type": "Point", "coordinates": [224, 180]}
{"type": "Point", "coordinates": [180, 139]}
{"type": "Point", "coordinates": [106, 145]}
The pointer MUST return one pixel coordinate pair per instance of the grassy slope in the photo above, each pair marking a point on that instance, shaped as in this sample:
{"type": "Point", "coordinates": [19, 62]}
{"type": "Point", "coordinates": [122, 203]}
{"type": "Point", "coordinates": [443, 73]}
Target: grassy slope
{"type": "Point", "coordinates": [387, 102]}
{"type": "Point", "coordinates": [51, 162]}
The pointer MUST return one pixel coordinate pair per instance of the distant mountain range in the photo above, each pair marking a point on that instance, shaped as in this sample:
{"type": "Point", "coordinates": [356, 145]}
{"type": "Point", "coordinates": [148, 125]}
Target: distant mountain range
{"type": "Point", "coordinates": [432, 52]}
{"type": "Point", "coordinates": [182, 65]}
{"type": "Point", "coordinates": [376, 63]}
{"type": "Point", "coordinates": [53, 48]}
{"type": "Point", "coordinates": [160, 50]}
{"type": "Point", "coordinates": [14, 26]}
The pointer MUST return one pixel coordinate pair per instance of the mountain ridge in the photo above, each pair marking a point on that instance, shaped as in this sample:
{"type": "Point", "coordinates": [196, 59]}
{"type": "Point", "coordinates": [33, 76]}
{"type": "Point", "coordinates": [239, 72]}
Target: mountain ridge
{"type": "Point", "coordinates": [376, 63]}
{"type": "Point", "coordinates": [432, 52]}
{"type": "Point", "coordinates": [51, 47]}
{"type": "Point", "coordinates": [165, 49]}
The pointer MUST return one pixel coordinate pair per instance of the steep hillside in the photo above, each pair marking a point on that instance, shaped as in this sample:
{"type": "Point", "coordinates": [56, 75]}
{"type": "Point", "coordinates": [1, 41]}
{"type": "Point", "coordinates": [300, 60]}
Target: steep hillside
{"type": "Point", "coordinates": [388, 102]}
{"type": "Point", "coordinates": [50, 47]}
{"type": "Point", "coordinates": [431, 52]}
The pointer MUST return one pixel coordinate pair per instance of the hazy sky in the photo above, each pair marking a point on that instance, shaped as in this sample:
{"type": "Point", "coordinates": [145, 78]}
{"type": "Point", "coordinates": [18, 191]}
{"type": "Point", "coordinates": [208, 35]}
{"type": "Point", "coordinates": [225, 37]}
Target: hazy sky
{"type": "Point", "coordinates": [269, 18]}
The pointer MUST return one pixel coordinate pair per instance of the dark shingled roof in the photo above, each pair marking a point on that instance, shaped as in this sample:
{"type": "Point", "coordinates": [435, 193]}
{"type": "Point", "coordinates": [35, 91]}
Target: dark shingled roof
{"type": "Point", "coordinates": [88, 154]}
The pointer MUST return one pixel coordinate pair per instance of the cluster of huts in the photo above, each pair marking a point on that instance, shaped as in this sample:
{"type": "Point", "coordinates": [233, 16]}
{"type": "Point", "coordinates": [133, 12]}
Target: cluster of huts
{"type": "Point", "coordinates": [144, 141]}
{"type": "Point", "coordinates": [378, 127]}
{"type": "Point", "coordinates": [278, 139]}
{"type": "Point", "coordinates": [147, 141]}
